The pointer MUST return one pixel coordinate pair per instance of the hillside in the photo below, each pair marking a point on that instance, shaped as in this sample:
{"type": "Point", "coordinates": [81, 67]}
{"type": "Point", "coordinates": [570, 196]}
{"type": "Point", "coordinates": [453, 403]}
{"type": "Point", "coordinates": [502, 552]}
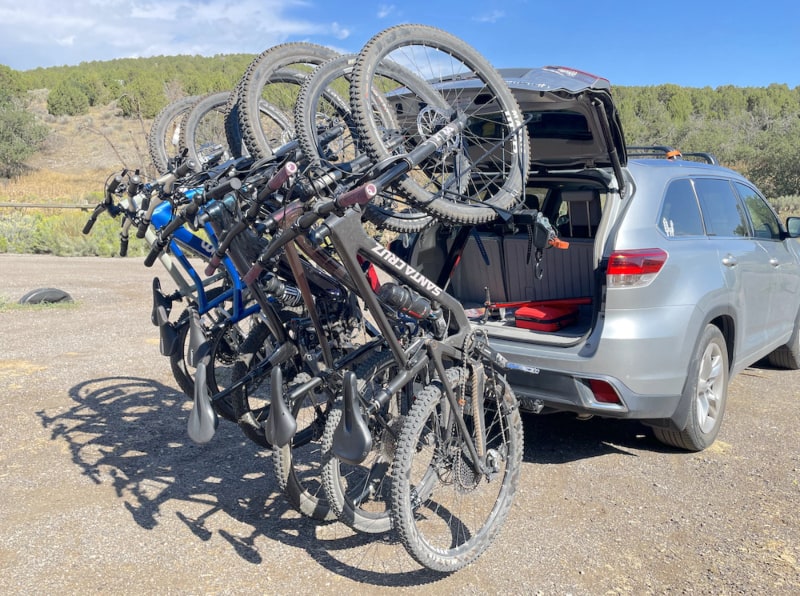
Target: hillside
{"type": "Point", "coordinates": [80, 153]}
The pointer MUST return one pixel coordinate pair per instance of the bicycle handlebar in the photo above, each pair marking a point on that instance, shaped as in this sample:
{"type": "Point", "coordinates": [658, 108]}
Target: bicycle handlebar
{"type": "Point", "coordinates": [187, 214]}
{"type": "Point", "coordinates": [107, 202]}
{"type": "Point", "coordinates": [278, 179]}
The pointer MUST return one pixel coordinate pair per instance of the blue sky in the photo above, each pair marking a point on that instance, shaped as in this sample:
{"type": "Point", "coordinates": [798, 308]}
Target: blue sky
{"type": "Point", "coordinates": [642, 42]}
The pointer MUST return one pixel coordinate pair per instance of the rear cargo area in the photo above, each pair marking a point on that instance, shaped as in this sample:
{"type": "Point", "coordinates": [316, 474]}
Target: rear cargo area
{"type": "Point", "coordinates": [505, 287]}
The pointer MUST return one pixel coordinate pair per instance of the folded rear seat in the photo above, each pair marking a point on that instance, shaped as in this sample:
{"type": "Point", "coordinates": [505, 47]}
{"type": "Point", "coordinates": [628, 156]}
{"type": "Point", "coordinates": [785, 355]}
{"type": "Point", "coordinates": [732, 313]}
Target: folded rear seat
{"type": "Point", "coordinates": [478, 270]}
{"type": "Point", "coordinates": [567, 273]}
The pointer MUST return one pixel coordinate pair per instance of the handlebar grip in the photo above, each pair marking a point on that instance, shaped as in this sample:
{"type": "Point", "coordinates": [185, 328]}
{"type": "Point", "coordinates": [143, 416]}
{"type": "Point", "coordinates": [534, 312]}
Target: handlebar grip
{"type": "Point", "coordinates": [115, 182]}
{"type": "Point", "coordinates": [88, 226]}
{"type": "Point", "coordinates": [141, 230]}
{"type": "Point", "coordinates": [123, 246]}
{"type": "Point", "coordinates": [213, 263]}
{"type": "Point", "coordinates": [223, 188]}
{"type": "Point", "coordinates": [186, 167]}
{"type": "Point", "coordinates": [252, 274]}
{"type": "Point", "coordinates": [134, 184]}
{"type": "Point", "coordinates": [151, 257]}
{"type": "Point", "coordinates": [282, 175]}
{"type": "Point", "coordinates": [358, 196]}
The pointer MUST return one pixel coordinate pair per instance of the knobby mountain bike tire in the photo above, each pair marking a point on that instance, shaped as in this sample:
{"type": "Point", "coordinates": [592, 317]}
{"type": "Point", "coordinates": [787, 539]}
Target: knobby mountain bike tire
{"type": "Point", "coordinates": [206, 127]}
{"type": "Point", "coordinates": [481, 169]}
{"type": "Point", "coordinates": [446, 514]}
{"type": "Point", "coordinates": [260, 81]}
{"type": "Point", "coordinates": [163, 140]}
{"type": "Point", "coordinates": [203, 128]}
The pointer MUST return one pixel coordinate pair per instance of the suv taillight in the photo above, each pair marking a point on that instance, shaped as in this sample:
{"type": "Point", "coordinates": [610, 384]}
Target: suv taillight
{"type": "Point", "coordinates": [634, 268]}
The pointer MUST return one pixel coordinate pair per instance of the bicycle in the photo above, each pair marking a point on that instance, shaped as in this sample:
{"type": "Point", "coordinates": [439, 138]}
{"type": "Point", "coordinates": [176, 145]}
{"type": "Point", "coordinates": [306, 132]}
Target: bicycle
{"type": "Point", "coordinates": [466, 418]}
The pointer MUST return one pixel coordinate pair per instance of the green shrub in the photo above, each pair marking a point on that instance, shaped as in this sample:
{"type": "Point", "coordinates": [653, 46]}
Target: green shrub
{"type": "Point", "coordinates": [67, 98]}
{"type": "Point", "coordinates": [61, 234]}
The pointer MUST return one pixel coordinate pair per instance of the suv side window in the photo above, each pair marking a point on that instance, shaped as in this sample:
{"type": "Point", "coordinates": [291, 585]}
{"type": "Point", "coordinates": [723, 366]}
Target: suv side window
{"type": "Point", "coordinates": [680, 215]}
{"type": "Point", "coordinates": [765, 223]}
{"type": "Point", "coordinates": [723, 212]}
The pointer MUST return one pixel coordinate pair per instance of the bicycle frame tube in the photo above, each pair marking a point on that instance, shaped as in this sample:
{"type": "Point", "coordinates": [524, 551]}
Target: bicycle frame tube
{"type": "Point", "coordinates": [183, 237]}
{"type": "Point", "coordinates": [351, 241]}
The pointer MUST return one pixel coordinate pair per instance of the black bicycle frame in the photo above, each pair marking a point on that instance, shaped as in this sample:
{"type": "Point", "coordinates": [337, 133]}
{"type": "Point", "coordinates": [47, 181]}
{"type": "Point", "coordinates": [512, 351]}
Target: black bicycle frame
{"type": "Point", "coordinates": [350, 240]}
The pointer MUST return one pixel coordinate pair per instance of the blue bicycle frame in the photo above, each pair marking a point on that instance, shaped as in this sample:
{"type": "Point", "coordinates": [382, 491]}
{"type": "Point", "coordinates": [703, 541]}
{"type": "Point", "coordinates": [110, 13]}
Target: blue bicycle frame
{"type": "Point", "coordinates": [184, 238]}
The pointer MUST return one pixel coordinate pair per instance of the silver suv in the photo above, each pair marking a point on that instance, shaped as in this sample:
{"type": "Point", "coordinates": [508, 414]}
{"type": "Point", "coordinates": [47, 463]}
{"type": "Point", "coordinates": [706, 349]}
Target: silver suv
{"type": "Point", "coordinates": [678, 274]}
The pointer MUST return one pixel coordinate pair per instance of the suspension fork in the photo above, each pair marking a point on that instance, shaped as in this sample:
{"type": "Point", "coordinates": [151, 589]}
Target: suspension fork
{"type": "Point", "coordinates": [477, 452]}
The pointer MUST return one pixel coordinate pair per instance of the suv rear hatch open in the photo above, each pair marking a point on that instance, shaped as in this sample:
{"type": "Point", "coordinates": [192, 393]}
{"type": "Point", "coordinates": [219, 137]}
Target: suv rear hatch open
{"type": "Point", "coordinates": [577, 155]}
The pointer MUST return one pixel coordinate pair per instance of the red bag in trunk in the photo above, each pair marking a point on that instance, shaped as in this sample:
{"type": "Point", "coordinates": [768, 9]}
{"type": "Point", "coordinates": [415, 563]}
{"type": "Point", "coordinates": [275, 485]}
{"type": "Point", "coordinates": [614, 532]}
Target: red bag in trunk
{"type": "Point", "coordinates": [549, 315]}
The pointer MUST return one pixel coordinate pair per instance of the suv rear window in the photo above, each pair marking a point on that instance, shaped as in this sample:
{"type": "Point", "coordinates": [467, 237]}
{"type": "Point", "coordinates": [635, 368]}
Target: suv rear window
{"type": "Point", "coordinates": [723, 213]}
{"type": "Point", "coordinates": [680, 214]}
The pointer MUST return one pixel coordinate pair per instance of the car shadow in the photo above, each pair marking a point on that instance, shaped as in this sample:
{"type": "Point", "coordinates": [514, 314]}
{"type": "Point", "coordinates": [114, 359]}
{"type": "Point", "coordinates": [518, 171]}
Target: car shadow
{"type": "Point", "coordinates": [563, 437]}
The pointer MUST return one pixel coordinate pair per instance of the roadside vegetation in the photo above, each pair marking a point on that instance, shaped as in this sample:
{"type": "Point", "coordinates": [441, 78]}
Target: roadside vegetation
{"type": "Point", "coordinates": [63, 130]}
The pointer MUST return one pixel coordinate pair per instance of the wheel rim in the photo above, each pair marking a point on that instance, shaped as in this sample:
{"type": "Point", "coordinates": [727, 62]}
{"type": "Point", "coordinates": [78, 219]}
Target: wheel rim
{"type": "Point", "coordinates": [710, 387]}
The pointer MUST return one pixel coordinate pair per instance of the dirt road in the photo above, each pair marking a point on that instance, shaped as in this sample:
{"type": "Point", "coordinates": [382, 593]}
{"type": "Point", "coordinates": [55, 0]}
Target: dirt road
{"type": "Point", "coordinates": [101, 491]}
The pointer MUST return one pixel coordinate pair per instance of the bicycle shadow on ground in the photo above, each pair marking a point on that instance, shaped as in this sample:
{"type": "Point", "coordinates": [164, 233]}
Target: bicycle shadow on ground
{"type": "Point", "coordinates": [563, 437]}
{"type": "Point", "coordinates": [130, 433]}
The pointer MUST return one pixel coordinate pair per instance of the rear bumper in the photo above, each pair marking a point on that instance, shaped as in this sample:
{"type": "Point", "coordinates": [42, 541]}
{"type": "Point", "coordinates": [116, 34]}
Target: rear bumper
{"type": "Point", "coordinates": [551, 390]}
{"type": "Point", "coordinates": [642, 354]}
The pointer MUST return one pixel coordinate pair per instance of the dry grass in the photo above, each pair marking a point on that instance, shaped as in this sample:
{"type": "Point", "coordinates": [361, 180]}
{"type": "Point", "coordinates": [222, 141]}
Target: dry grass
{"type": "Point", "coordinates": [52, 187]}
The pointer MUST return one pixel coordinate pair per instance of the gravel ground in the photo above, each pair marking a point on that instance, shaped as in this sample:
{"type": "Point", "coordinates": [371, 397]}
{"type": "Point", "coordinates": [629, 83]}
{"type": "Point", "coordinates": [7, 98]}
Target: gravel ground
{"type": "Point", "coordinates": [101, 491]}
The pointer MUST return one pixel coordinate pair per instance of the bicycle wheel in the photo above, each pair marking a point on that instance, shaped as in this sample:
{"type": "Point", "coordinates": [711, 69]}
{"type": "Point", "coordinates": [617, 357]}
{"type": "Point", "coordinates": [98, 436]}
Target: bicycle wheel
{"type": "Point", "coordinates": [297, 464]}
{"type": "Point", "coordinates": [203, 128]}
{"type": "Point", "coordinates": [480, 169]}
{"type": "Point", "coordinates": [323, 105]}
{"type": "Point", "coordinates": [446, 513]}
{"type": "Point", "coordinates": [275, 122]}
{"type": "Point", "coordinates": [360, 495]}
{"type": "Point", "coordinates": [268, 78]}
{"type": "Point", "coordinates": [224, 342]}
{"type": "Point", "coordinates": [163, 140]}
{"type": "Point", "coordinates": [251, 401]}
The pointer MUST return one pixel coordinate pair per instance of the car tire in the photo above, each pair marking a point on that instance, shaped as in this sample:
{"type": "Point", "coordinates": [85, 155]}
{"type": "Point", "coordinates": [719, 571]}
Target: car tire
{"type": "Point", "coordinates": [705, 393]}
{"type": "Point", "coordinates": [788, 355]}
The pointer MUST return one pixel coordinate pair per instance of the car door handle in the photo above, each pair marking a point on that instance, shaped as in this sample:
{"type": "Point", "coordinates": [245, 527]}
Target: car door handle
{"type": "Point", "coordinates": [774, 262]}
{"type": "Point", "coordinates": [729, 261]}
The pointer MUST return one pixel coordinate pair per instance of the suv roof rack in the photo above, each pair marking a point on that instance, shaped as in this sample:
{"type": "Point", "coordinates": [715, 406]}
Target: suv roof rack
{"type": "Point", "coordinates": [667, 152]}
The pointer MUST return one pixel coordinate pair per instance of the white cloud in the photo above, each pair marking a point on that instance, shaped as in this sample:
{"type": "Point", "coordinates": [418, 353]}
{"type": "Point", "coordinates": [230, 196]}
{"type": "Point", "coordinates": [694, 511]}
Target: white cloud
{"type": "Point", "coordinates": [66, 41]}
{"type": "Point", "coordinates": [385, 10]}
{"type": "Point", "coordinates": [491, 17]}
{"type": "Point", "coordinates": [339, 32]}
{"type": "Point", "coordinates": [53, 32]}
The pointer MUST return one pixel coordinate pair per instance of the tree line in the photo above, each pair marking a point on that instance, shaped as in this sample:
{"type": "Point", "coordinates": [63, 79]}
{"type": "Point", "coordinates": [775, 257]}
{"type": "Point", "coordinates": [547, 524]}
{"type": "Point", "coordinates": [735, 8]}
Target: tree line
{"type": "Point", "coordinates": [755, 130]}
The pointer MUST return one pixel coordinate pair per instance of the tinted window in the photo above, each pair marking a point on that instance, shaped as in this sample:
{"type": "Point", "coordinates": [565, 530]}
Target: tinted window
{"type": "Point", "coordinates": [680, 215]}
{"type": "Point", "coordinates": [723, 213]}
{"type": "Point", "coordinates": [558, 125]}
{"type": "Point", "coordinates": [765, 224]}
